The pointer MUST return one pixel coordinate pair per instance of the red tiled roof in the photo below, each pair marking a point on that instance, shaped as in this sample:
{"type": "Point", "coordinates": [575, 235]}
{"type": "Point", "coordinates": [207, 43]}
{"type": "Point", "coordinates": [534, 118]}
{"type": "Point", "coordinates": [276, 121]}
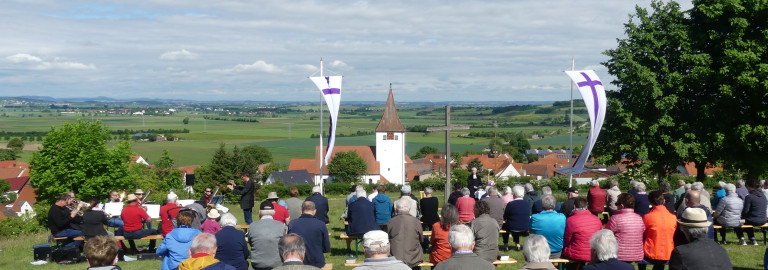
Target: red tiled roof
{"type": "Point", "coordinates": [709, 170]}
{"type": "Point", "coordinates": [188, 169]}
{"type": "Point", "coordinates": [27, 194]}
{"type": "Point", "coordinates": [17, 182]}
{"type": "Point", "coordinates": [7, 164]}
{"type": "Point", "coordinates": [311, 165]}
{"type": "Point", "coordinates": [6, 173]}
{"type": "Point", "coordinates": [493, 163]}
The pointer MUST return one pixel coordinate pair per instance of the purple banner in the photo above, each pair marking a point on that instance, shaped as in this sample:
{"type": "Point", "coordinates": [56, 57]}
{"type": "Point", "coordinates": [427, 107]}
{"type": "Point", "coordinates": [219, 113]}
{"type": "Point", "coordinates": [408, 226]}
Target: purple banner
{"type": "Point", "coordinates": [330, 91]}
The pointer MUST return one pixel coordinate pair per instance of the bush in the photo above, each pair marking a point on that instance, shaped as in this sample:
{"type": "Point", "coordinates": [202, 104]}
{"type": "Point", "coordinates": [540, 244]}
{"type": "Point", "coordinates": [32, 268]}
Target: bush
{"type": "Point", "coordinates": [283, 191]}
{"type": "Point", "coordinates": [17, 226]}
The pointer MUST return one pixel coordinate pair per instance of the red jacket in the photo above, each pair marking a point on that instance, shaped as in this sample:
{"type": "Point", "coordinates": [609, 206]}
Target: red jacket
{"type": "Point", "coordinates": [579, 228]}
{"type": "Point", "coordinates": [167, 224]}
{"type": "Point", "coordinates": [466, 207]}
{"type": "Point", "coordinates": [281, 213]}
{"type": "Point", "coordinates": [628, 228]}
{"type": "Point", "coordinates": [660, 226]}
{"type": "Point", "coordinates": [133, 216]}
{"type": "Point", "coordinates": [596, 198]}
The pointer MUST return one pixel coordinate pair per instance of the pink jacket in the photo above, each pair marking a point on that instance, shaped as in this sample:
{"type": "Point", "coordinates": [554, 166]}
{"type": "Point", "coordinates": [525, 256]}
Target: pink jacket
{"type": "Point", "coordinates": [579, 227]}
{"type": "Point", "coordinates": [628, 228]}
{"type": "Point", "coordinates": [466, 207]}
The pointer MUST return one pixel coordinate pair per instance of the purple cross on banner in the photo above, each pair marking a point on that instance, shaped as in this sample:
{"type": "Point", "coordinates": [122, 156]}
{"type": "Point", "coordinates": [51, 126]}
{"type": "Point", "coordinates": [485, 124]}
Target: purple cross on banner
{"type": "Point", "coordinates": [591, 85]}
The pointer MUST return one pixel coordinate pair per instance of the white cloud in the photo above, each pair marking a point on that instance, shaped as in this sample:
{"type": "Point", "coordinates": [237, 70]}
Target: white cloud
{"type": "Point", "coordinates": [183, 54]}
{"type": "Point", "coordinates": [258, 66]}
{"type": "Point", "coordinates": [37, 63]}
{"type": "Point", "coordinates": [339, 64]}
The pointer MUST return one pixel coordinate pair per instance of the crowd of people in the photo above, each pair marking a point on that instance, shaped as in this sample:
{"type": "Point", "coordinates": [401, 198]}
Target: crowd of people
{"type": "Point", "coordinates": [656, 228]}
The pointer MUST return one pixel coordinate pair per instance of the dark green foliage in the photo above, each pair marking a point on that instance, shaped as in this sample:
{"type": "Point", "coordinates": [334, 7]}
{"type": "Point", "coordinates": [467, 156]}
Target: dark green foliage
{"type": "Point", "coordinates": [8, 154]}
{"type": "Point", "coordinates": [259, 154]}
{"type": "Point", "coordinates": [16, 144]}
{"type": "Point", "coordinates": [186, 120]}
{"type": "Point", "coordinates": [347, 167]}
{"type": "Point", "coordinates": [18, 226]}
{"type": "Point", "coordinates": [273, 167]}
{"type": "Point", "coordinates": [74, 157]}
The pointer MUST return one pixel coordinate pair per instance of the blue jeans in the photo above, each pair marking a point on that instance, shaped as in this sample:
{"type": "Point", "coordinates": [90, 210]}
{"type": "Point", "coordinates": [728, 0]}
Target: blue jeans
{"type": "Point", "coordinates": [139, 234]}
{"type": "Point", "coordinates": [116, 222]}
{"type": "Point", "coordinates": [71, 233]}
{"type": "Point", "coordinates": [247, 214]}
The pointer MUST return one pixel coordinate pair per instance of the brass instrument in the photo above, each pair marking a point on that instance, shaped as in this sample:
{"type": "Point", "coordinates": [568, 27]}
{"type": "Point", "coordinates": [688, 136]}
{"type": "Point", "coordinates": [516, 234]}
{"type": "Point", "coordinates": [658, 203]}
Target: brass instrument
{"type": "Point", "coordinates": [146, 195]}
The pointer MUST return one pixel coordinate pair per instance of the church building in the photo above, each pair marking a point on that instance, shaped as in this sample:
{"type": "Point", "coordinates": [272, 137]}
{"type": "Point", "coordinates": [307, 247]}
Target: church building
{"type": "Point", "coordinates": [386, 160]}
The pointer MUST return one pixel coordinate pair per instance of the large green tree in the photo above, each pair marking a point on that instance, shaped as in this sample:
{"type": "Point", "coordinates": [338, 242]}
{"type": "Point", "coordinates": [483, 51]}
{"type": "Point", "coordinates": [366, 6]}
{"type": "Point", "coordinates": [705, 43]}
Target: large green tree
{"type": "Point", "coordinates": [730, 37]}
{"type": "Point", "coordinates": [74, 157]}
{"type": "Point", "coordinates": [347, 167]}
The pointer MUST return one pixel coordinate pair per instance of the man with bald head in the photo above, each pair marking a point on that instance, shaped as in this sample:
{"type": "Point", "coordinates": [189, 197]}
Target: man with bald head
{"type": "Point", "coordinates": [693, 200]}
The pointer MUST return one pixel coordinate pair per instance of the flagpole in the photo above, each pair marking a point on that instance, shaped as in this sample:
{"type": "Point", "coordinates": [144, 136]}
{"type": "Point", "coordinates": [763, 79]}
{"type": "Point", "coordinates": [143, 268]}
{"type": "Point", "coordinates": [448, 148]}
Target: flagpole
{"type": "Point", "coordinates": [321, 158]}
{"type": "Point", "coordinates": [570, 155]}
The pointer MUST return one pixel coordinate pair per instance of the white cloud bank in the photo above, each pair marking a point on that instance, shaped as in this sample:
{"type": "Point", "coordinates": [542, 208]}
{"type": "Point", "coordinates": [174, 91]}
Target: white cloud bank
{"type": "Point", "coordinates": [37, 63]}
{"type": "Point", "coordinates": [258, 66]}
{"type": "Point", "coordinates": [183, 54]}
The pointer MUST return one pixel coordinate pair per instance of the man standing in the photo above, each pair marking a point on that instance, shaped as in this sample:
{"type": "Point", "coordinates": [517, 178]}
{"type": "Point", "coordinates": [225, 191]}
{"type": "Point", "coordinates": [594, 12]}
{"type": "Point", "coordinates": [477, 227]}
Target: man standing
{"type": "Point", "coordinates": [314, 232]}
{"type": "Point", "coordinates": [264, 235]}
{"type": "Point", "coordinates": [462, 243]}
{"type": "Point", "coordinates": [405, 235]}
{"type": "Point", "coordinates": [321, 205]}
{"type": "Point", "coordinates": [701, 252]}
{"type": "Point", "coordinates": [246, 195]}
{"type": "Point", "coordinates": [377, 249]}
{"type": "Point", "coordinates": [134, 218]}
{"type": "Point", "coordinates": [474, 182]}
{"type": "Point", "coordinates": [292, 251]}
{"type": "Point", "coordinates": [64, 222]}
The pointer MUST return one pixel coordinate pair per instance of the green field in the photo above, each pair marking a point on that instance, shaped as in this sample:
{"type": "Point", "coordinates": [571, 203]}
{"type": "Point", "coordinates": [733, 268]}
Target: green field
{"type": "Point", "coordinates": [17, 252]}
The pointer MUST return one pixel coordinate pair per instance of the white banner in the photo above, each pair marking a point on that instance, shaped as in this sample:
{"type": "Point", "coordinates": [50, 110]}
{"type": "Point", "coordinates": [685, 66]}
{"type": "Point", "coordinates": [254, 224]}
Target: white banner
{"type": "Point", "coordinates": [330, 86]}
{"type": "Point", "coordinates": [593, 93]}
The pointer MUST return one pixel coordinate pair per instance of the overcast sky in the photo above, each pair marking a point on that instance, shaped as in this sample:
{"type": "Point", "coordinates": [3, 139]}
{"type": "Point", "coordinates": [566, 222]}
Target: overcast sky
{"type": "Point", "coordinates": [265, 50]}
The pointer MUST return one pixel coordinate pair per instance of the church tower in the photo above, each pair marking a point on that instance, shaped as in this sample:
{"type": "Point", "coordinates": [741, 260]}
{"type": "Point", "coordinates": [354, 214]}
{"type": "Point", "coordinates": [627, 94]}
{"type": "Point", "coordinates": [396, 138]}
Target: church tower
{"type": "Point", "coordinates": [390, 144]}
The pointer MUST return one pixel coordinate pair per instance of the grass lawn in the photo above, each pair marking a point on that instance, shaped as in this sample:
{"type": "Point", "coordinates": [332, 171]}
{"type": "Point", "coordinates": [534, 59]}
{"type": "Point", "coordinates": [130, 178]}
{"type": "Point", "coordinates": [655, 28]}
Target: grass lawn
{"type": "Point", "coordinates": [17, 252]}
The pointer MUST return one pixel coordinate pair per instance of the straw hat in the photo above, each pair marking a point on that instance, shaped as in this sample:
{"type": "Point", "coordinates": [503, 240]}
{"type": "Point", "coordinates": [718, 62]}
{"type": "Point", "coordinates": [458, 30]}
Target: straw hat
{"type": "Point", "coordinates": [213, 214]}
{"type": "Point", "coordinates": [694, 217]}
{"type": "Point", "coordinates": [131, 198]}
{"type": "Point", "coordinates": [138, 191]}
{"type": "Point", "coordinates": [272, 195]}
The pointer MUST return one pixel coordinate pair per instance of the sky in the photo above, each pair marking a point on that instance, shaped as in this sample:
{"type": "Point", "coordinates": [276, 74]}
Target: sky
{"type": "Point", "coordinates": [265, 50]}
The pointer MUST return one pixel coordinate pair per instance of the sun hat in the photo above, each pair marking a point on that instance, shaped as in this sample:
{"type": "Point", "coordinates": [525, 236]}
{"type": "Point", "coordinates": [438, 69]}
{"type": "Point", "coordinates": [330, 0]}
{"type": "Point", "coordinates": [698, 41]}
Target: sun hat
{"type": "Point", "coordinates": [694, 217]}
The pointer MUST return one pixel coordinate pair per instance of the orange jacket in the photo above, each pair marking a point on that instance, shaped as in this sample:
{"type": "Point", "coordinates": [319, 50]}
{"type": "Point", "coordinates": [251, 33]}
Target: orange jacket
{"type": "Point", "coordinates": [660, 227]}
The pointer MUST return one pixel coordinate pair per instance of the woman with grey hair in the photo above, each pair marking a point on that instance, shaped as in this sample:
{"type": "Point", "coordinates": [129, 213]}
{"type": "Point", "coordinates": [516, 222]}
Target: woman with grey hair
{"type": "Point", "coordinates": [508, 197]}
{"type": "Point", "coordinates": [536, 252]}
{"type": "Point", "coordinates": [612, 195]}
{"type": "Point", "coordinates": [428, 209]}
{"type": "Point", "coordinates": [669, 199]}
{"type": "Point", "coordinates": [605, 251]}
{"type": "Point", "coordinates": [728, 212]}
{"type": "Point", "coordinates": [642, 204]}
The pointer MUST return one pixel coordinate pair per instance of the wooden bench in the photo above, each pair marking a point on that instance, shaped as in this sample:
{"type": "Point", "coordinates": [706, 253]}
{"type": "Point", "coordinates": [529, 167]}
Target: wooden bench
{"type": "Point", "coordinates": [327, 266]}
{"type": "Point", "coordinates": [422, 264]}
{"type": "Point", "coordinates": [121, 238]}
{"type": "Point", "coordinates": [559, 262]}
{"type": "Point", "coordinates": [763, 228]}
{"type": "Point", "coordinates": [499, 263]}
{"type": "Point", "coordinates": [349, 238]}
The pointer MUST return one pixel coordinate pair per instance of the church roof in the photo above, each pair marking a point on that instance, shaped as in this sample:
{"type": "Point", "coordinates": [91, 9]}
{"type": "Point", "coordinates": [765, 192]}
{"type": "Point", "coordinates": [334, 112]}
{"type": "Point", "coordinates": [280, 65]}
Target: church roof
{"type": "Point", "coordinates": [390, 121]}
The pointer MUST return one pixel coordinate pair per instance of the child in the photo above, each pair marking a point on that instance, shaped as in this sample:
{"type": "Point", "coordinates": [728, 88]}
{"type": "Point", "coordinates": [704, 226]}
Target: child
{"type": "Point", "coordinates": [211, 224]}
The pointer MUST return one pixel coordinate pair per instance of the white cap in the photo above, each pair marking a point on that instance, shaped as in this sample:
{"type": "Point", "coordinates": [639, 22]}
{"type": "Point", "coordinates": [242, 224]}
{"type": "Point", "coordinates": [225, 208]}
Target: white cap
{"type": "Point", "coordinates": [171, 197]}
{"type": "Point", "coordinates": [375, 238]}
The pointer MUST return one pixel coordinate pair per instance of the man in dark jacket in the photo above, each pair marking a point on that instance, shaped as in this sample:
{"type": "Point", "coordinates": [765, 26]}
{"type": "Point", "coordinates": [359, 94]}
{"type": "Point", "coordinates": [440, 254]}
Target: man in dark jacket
{"type": "Point", "coordinates": [246, 196]}
{"type": "Point", "coordinates": [474, 182]}
{"type": "Point", "coordinates": [63, 222]}
{"type": "Point", "coordinates": [700, 253]}
{"type": "Point", "coordinates": [531, 196]}
{"type": "Point", "coordinates": [754, 210]}
{"type": "Point", "coordinates": [456, 194]}
{"type": "Point", "coordinates": [314, 232]}
{"type": "Point", "coordinates": [321, 204]}
{"type": "Point", "coordinates": [568, 205]}
{"type": "Point", "coordinates": [361, 218]}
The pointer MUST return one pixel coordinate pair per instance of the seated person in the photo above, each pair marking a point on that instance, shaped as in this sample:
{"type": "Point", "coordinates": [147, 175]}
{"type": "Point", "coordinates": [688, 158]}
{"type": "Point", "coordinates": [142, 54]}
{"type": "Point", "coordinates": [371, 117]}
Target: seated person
{"type": "Point", "coordinates": [361, 217]}
{"type": "Point", "coordinates": [377, 249]}
{"type": "Point", "coordinates": [64, 222]}
{"type": "Point", "coordinates": [101, 253]}
{"type": "Point", "coordinates": [232, 248]}
{"type": "Point", "coordinates": [605, 252]}
{"type": "Point", "coordinates": [201, 255]}
{"type": "Point", "coordinates": [549, 224]}
{"type": "Point", "coordinates": [174, 247]}
{"type": "Point", "coordinates": [93, 220]}
{"type": "Point", "coordinates": [292, 249]}
{"type": "Point", "coordinates": [536, 252]}
{"type": "Point", "coordinates": [134, 218]}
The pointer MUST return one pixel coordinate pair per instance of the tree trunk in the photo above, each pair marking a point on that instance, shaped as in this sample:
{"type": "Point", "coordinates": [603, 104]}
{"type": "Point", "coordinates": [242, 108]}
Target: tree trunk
{"type": "Point", "coordinates": [700, 173]}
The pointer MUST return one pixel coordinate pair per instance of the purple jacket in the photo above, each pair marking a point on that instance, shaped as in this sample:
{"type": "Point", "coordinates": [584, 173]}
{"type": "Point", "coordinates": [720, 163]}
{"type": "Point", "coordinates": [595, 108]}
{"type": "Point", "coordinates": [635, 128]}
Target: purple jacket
{"type": "Point", "coordinates": [628, 228]}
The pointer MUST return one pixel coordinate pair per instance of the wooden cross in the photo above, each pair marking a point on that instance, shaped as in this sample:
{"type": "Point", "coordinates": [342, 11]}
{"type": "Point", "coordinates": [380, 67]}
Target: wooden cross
{"type": "Point", "coordinates": [447, 128]}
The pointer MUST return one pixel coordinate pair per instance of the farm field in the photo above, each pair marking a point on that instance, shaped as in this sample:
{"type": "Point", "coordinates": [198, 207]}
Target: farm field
{"type": "Point", "coordinates": [288, 135]}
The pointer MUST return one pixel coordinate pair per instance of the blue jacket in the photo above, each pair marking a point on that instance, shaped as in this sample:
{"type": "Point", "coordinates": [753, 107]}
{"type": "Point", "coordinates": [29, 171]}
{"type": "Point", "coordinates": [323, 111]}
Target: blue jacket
{"type": "Point", "coordinates": [361, 218]}
{"type": "Point", "coordinates": [321, 204]}
{"type": "Point", "coordinates": [175, 247]}
{"type": "Point", "coordinates": [551, 225]}
{"type": "Point", "coordinates": [516, 216]}
{"type": "Point", "coordinates": [382, 205]}
{"type": "Point", "coordinates": [718, 196]}
{"type": "Point", "coordinates": [611, 264]}
{"type": "Point", "coordinates": [315, 236]}
{"type": "Point", "coordinates": [642, 204]}
{"type": "Point", "coordinates": [232, 248]}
